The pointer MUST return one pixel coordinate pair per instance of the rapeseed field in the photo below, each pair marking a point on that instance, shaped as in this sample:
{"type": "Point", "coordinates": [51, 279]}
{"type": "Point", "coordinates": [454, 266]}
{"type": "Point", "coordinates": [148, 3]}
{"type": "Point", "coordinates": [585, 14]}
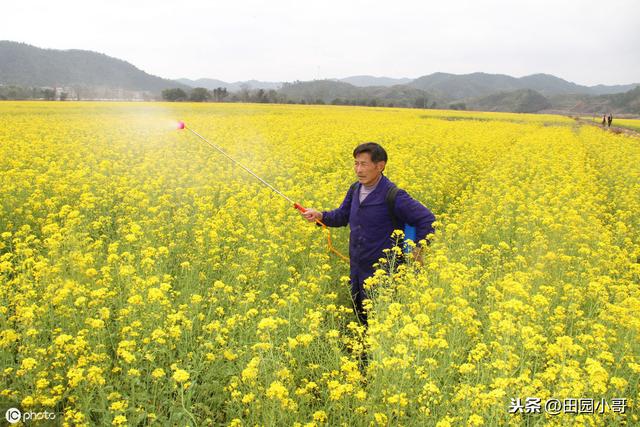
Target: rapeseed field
{"type": "Point", "coordinates": [146, 280]}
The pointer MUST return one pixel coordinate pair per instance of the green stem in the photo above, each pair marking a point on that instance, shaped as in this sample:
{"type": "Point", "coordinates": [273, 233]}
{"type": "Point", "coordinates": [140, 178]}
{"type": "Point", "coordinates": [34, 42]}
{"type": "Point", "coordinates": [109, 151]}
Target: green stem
{"type": "Point", "coordinates": [184, 408]}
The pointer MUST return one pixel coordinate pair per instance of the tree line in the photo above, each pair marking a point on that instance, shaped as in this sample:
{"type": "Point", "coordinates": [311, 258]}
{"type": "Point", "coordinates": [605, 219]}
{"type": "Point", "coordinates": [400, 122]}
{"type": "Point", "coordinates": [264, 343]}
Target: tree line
{"type": "Point", "coordinates": [75, 92]}
{"type": "Point", "coordinates": [273, 96]}
{"type": "Point", "coordinates": [22, 93]}
{"type": "Point", "coordinates": [221, 94]}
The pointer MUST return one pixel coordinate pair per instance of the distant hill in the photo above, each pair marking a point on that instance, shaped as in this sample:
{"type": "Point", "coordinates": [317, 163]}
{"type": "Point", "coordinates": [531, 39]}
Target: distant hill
{"type": "Point", "coordinates": [358, 81]}
{"type": "Point", "coordinates": [624, 103]}
{"type": "Point", "coordinates": [325, 90]}
{"type": "Point", "coordinates": [446, 87]}
{"type": "Point", "coordinates": [212, 84]}
{"type": "Point", "coordinates": [612, 90]}
{"type": "Point", "coordinates": [207, 83]}
{"type": "Point", "coordinates": [459, 87]}
{"type": "Point", "coordinates": [402, 93]}
{"type": "Point", "coordinates": [551, 85]}
{"type": "Point", "coordinates": [25, 65]}
{"type": "Point", "coordinates": [28, 72]}
{"type": "Point", "coordinates": [463, 86]}
{"type": "Point", "coordinates": [517, 101]}
{"type": "Point", "coordinates": [365, 81]}
{"type": "Point", "coordinates": [337, 92]}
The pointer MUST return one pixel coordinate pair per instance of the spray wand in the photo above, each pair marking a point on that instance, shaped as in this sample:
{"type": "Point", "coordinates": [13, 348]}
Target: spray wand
{"type": "Point", "coordinates": [181, 125]}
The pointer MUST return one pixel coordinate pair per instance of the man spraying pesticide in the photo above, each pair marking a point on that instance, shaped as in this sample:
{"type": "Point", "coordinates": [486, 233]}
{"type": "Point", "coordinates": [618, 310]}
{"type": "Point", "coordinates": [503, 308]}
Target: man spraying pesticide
{"type": "Point", "coordinates": [373, 207]}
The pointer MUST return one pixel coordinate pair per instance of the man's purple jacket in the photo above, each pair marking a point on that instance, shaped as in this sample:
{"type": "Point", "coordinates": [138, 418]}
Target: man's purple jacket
{"type": "Point", "coordinates": [371, 225]}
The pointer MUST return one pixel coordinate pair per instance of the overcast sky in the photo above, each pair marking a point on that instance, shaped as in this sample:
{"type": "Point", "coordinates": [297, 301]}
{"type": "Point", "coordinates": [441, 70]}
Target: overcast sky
{"type": "Point", "coordinates": [587, 42]}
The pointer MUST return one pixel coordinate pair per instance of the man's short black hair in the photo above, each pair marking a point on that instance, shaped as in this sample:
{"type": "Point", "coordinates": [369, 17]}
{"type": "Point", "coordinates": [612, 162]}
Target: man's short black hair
{"type": "Point", "coordinates": [375, 150]}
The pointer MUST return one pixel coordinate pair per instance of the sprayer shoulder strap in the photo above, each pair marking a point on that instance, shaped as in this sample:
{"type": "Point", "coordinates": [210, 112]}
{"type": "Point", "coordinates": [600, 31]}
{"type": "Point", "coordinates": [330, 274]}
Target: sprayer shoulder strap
{"type": "Point", "coordinates": [390, 198]}
{"type": "Point", "coordinates": [352, 189]}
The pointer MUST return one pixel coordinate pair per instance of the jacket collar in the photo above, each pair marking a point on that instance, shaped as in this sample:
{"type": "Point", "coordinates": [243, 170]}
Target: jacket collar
{"type": "Point", "coordinates": [383, 184]}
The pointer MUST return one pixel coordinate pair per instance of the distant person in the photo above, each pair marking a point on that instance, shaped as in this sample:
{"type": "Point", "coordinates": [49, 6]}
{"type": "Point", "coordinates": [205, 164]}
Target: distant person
{"type": "Point", "coordinates": [604, 120]}
{"type": "Point", "coordinates": [609, 119]}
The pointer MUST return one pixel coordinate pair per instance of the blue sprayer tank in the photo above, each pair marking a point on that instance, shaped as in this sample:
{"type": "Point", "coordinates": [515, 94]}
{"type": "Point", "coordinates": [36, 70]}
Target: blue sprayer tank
{"type": "Point", "coordinates": [409, 234]}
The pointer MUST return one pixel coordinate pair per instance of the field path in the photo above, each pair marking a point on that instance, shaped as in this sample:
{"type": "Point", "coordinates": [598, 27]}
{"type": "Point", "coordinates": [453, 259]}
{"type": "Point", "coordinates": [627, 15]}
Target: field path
{"type": "Point", "coordinates": [614, 129]}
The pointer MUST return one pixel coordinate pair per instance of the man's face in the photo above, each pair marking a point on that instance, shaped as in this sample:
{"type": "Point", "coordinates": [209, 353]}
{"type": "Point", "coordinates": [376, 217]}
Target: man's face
{"type": "Point", "coordinates": [366, 170]}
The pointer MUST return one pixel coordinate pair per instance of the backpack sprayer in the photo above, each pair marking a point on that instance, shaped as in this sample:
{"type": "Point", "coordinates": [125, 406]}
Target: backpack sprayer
{"type": "Point", "coordinates": [296, 205]}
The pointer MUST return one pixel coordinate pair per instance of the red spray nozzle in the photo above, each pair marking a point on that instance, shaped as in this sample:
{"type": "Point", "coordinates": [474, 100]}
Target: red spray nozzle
{"type": "Point", "coordinates": [181, 125]}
